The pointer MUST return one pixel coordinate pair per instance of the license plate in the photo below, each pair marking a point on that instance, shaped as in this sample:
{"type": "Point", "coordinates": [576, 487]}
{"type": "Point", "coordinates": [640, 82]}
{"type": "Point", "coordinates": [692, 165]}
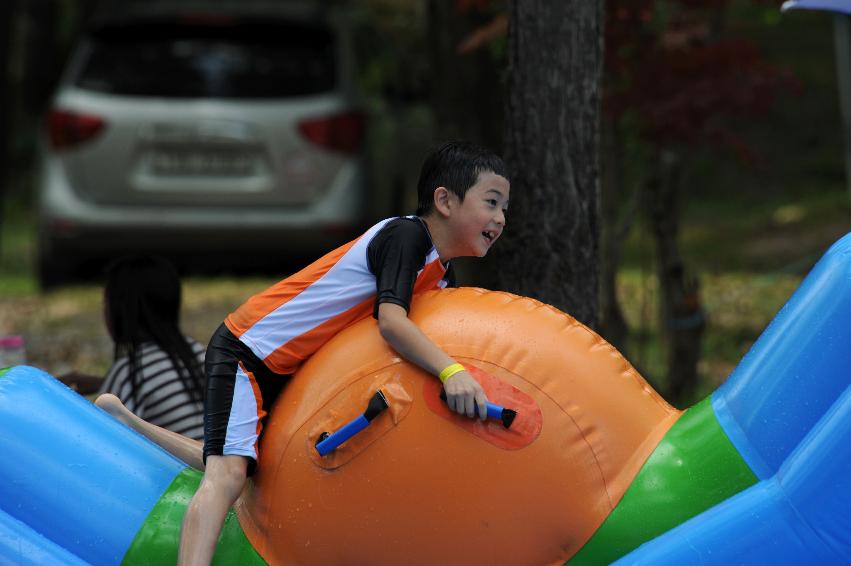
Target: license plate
{"type": "Point", "coordinates": [205, 163]}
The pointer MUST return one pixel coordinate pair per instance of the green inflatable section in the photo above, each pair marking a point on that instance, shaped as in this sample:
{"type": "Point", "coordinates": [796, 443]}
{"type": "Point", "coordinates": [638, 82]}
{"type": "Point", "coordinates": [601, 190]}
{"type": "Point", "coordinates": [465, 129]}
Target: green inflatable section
{"type": "Point", "coordinates": [4, 371]}
{"type": "Point", "coordinates": [694, 468]}
{"type": "Point", "coordinates": [158, 539]}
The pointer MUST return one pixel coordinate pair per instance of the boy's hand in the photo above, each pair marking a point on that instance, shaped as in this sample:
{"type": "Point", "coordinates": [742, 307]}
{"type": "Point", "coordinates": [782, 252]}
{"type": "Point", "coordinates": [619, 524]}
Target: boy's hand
{"type": "Point", "coordinates": [464, 395]}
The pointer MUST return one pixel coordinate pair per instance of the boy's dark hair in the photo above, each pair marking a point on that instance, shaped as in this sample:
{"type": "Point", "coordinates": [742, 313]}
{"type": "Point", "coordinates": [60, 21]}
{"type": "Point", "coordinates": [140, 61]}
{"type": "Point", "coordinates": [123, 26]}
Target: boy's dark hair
{"type": "Point", "coordinates": [455, 165]}
{"type": "Point", "coordinates": [142, 296]}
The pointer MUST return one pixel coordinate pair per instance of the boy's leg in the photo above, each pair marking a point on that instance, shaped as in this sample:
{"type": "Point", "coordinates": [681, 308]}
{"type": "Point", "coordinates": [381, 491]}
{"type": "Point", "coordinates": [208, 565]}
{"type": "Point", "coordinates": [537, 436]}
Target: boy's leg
{"type": "Point", "coordinates": [234, 407]}
{"type": "Point", "coordinates": [222, 483]}
{"type": "Point", "coordinates": [179, 446]}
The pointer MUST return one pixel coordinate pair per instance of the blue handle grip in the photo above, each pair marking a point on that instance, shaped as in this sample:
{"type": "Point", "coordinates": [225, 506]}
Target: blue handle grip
{"type": "Point", "coordinates": [495, 411]}
{"type": "Point", "coordinates": [337, 438]}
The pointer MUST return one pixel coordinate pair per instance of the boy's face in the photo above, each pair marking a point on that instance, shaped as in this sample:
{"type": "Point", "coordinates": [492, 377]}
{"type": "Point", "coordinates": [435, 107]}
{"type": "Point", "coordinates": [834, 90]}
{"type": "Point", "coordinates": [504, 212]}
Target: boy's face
{"type": "Point", "coordinates": [479, 220]}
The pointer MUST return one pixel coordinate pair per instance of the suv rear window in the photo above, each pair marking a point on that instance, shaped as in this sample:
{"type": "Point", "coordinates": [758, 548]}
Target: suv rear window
{"type": "Point", "coordinates": [235, 60]}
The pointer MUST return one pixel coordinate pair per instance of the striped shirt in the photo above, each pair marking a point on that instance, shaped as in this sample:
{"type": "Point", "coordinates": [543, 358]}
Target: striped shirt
{"type": "Point", "coordinates": [162, 398]}
{"type": "Point", "coordinates": [285, 324]}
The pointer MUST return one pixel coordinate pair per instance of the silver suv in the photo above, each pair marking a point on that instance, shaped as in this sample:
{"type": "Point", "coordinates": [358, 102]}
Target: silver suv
{"type": "Point", "coordinates": [199, 132]}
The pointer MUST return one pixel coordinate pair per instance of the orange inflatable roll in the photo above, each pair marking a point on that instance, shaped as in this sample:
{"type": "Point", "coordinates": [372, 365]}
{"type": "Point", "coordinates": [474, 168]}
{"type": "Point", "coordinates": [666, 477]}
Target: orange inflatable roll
{"type": "Point", "coordinates": [421, 485]}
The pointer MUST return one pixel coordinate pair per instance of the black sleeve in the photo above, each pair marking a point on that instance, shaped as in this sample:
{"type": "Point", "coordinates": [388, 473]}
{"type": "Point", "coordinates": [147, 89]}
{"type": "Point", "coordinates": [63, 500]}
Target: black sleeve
{"type": "Point", "coordinates": [395, 255]}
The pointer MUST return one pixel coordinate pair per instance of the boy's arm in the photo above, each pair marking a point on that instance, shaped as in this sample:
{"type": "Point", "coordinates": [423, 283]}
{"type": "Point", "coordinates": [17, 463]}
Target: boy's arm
{"type": "Point", "coordinates": [463, 392]}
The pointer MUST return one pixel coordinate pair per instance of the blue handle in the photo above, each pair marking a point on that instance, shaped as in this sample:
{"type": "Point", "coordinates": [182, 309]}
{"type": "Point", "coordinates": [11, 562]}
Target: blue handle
{"type": "Point", "coordinates": [342, 435]}
{"type": "Point", "coordinates": [495, 411]}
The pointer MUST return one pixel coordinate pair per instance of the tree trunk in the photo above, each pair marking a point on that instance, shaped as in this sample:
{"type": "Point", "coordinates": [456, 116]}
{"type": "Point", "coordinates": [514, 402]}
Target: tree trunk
{"type": "Point", "coordinates": [550, 248]}
{"type": "Point", "coordinates": [682, 319]}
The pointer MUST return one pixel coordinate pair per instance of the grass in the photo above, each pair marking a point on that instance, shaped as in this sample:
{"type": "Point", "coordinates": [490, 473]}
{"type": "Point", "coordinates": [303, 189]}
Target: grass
{"type": "Point", "coordinates": [63, 329]}
{"type": "Point", "coordinates": [751, 253]}
{"type": "Point", "coordinates": [738, 307]}
{"type": "Point", "coordinates": [17, 249]}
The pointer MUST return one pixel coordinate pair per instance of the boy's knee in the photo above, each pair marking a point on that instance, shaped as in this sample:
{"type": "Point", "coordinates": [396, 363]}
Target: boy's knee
{"type": "Point", "coordinates": [225, 474]}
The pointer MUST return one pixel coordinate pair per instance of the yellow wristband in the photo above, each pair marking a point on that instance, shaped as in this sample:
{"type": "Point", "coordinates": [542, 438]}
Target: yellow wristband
{"type": "Point", "coordinates": [449, 371]}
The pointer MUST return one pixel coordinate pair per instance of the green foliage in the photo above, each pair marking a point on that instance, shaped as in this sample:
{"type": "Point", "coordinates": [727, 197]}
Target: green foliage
{"type": "Point", "coordinates": [404, 66]}
{"type": "Point", "coordinates": [17, 248]}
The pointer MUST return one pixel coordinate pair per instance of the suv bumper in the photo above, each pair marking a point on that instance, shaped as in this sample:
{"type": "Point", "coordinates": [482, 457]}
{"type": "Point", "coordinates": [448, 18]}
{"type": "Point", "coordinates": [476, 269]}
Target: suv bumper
{"type": "Point", "coordinates": [72, 226]}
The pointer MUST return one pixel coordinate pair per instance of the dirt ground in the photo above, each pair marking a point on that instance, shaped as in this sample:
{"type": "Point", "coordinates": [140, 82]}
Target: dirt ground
{"type": "Point", "coordinates": [64, 331]}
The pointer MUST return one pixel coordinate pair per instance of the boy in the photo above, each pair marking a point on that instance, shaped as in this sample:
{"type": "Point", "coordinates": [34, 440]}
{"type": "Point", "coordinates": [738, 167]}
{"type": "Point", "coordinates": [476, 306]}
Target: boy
{"type": "Point", "coordinates": [463, 194]}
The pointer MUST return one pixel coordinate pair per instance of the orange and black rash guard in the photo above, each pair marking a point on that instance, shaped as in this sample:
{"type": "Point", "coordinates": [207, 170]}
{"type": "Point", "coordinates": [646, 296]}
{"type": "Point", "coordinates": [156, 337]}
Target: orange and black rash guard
{"type": "Point", "coordinates": [285, 324]}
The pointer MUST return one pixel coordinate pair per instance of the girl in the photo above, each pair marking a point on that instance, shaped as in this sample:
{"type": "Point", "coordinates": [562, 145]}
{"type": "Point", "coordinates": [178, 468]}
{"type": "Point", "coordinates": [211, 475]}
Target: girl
{"type": "Point", "coordinates": [157, 372]}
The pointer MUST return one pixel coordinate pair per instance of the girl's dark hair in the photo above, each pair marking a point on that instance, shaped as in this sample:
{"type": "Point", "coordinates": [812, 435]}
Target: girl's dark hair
{"type": "Point", "coordinates": [142, 296]}
{"type": "Point", "coordinates": [455, 165]}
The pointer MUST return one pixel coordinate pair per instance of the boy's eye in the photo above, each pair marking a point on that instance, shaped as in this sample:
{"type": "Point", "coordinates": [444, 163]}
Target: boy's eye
{"type": "Point", "coordinates": [491, 202]}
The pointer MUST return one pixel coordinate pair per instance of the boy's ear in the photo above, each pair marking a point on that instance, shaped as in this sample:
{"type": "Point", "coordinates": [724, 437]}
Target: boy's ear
{"type": "Point", "coordinates": [442, 200]}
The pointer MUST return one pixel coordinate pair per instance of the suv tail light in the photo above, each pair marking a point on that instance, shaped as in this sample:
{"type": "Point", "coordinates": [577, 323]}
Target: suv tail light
{"type": "Point", "coordinates": [68, 129]}
{"type": "Point", "coordinates": [340, 132]}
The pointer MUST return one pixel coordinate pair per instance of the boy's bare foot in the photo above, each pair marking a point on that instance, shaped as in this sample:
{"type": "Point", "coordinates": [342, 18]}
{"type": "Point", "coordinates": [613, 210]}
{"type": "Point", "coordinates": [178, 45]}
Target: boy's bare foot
{"type": "Point", "coordinates": [113, 405]}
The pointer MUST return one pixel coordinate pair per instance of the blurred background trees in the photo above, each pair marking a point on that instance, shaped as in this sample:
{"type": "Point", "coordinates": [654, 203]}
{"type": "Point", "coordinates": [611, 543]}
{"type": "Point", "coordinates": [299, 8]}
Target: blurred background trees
{"type": "Point", "coordinates": [715, 140]}
{"type": "Point", "coordinates": [6, 19]}
{"type": "Point", "coordinates": [35, 37]}
{"type": "Point", "coordinates": [679, 81]}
